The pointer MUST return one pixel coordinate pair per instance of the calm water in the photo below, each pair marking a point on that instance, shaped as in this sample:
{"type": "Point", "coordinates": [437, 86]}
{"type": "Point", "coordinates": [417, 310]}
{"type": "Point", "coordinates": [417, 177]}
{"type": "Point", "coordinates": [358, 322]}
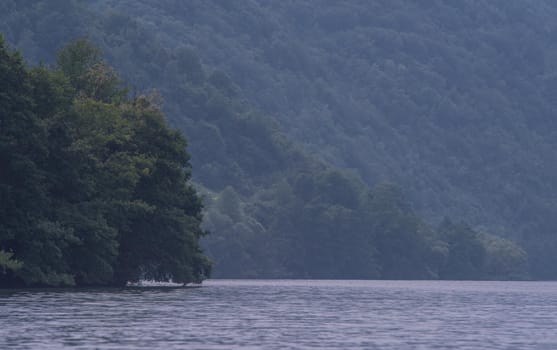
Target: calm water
{"type": "Point", "coordinates": [286, 314]}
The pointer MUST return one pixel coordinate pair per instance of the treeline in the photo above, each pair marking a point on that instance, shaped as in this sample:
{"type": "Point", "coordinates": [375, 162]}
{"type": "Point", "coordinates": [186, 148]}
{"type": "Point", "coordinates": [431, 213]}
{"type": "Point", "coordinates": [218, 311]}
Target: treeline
{"type": "Point", "coordinates": [94, 186]}
{"type": "Point", "coordinates": [273, 209]}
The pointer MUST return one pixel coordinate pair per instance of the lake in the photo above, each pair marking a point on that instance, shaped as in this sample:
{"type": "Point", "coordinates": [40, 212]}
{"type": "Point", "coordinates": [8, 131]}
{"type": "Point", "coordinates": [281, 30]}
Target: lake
{"type": "Point", "coordinates": [286, 314]}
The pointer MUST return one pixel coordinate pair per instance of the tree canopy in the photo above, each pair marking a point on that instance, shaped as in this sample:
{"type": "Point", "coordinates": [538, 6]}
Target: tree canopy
{"type": "Point", "coordinates": [94, 185]}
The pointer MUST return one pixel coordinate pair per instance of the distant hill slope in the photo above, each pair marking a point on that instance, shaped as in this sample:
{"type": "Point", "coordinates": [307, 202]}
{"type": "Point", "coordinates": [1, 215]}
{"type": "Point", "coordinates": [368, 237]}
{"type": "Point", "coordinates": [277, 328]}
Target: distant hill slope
{"type": "Point", "coordinates": [453, 102]}
{"type": "Point", "coordinates": [456, 102]}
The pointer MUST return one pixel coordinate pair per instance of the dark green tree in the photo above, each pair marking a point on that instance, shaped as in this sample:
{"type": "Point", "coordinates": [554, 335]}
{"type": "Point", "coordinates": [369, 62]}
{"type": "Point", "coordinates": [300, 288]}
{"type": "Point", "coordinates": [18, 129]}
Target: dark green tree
{"type": "Point", "coordinates": [466, 253]}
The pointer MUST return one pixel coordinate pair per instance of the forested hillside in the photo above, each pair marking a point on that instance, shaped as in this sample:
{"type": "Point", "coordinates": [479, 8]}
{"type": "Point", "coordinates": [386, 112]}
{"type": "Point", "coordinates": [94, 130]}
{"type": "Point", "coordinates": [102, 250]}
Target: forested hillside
{"type": "Point", "coordinates": [298, 113]}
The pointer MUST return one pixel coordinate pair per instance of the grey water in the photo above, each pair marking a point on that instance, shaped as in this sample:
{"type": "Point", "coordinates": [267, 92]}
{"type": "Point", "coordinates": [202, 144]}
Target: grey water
{"type": "Point", "coordinates": [285, 314]}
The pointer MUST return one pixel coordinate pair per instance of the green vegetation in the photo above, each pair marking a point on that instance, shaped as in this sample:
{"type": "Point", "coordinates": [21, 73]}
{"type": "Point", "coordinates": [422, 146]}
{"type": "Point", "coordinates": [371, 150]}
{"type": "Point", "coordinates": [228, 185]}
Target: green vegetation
{"type": "Point", "coordinates": [94, 185]}
{"type": "Point", "coordinates": [300, 114]}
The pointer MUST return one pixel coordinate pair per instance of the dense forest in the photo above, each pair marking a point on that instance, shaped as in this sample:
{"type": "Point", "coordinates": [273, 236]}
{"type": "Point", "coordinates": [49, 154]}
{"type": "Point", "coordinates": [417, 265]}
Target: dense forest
{"type": "Point", "coordinates": [333, 141]}
{"type": "Point", "coordinates": [94, 185]}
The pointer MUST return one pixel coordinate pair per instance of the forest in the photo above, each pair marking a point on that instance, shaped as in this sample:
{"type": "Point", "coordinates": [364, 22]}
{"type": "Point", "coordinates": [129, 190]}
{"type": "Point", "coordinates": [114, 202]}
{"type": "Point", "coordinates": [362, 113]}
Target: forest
{"type": "Point", "coordinates": [393, 140]}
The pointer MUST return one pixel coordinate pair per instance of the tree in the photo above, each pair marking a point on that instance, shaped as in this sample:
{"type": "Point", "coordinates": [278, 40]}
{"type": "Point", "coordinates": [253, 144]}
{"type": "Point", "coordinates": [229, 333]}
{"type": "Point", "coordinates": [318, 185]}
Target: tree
{"type": "Point", "coordinates": [466, 257]}
{"type": "Point", "coordinates": [161, 240]}
{"type": "Point", "coordinates": [91, 77]}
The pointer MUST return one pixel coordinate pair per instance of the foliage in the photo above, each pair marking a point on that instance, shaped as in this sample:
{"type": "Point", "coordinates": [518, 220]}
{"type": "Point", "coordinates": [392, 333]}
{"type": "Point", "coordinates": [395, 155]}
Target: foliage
{"type": "Point", "coordinates": [454, 102]}
{"type": "Point", "coordinates": [504, 259]}
{"type": "Point", "coordinates": [7, 263]}
{"type": "Point", "coordinates": [303, 112]}
{"type": "Point", "coordinates": [94, 186]}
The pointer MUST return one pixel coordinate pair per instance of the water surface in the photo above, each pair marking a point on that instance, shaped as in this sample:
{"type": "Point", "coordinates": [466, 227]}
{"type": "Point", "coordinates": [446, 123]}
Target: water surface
{"type": "Point", "coordinates": [286, 314]}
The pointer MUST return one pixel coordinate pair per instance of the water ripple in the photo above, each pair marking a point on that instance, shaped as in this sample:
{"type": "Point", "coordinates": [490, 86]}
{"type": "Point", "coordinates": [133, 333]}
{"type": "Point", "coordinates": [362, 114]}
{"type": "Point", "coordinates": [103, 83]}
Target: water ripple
{"type": "Point", "coordinates": [286, 315]}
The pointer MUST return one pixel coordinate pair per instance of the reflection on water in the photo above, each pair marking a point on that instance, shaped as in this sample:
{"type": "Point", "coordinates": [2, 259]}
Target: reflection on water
{"type": "Point", "coordinates": [286, 314]}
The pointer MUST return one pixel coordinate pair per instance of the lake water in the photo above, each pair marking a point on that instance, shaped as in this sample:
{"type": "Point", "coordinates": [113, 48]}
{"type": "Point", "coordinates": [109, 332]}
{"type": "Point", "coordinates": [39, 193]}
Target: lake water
{"type": "Point", "coordinates": [282, 314]}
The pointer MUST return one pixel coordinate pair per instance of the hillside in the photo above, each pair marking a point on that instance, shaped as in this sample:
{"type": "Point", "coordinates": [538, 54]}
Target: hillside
{"type": "Point", "coordinates": [301, 109]}
{"type": "Point", "coordinates": [453, 102]}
